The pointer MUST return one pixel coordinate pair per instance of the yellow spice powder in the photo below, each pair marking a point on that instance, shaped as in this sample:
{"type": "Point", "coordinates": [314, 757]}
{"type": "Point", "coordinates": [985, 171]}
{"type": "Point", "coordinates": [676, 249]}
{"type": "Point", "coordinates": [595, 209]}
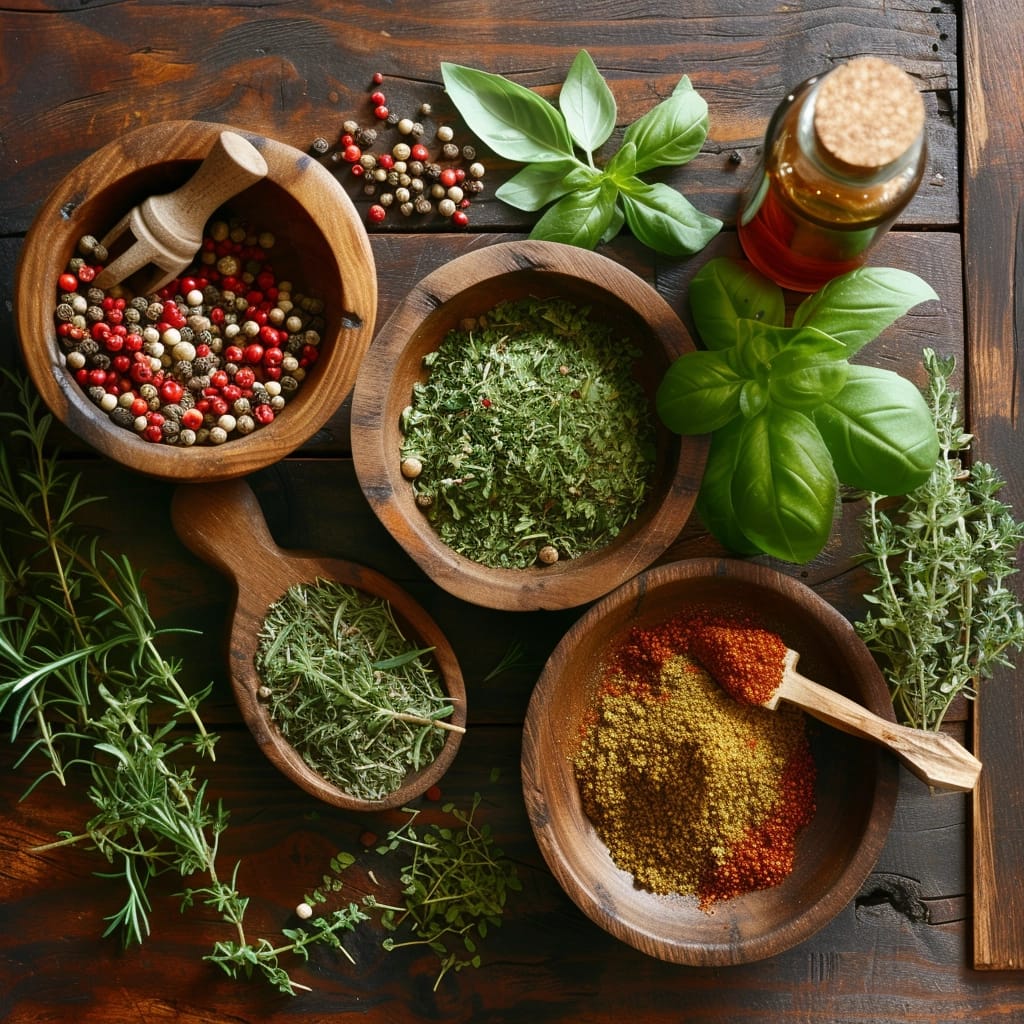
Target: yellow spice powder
{"type": "Point", "coordinates": [673, 777]}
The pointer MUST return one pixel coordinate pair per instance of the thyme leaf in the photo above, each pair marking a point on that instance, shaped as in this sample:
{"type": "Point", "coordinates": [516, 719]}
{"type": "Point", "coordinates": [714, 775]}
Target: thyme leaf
{"type": "Point", "coordinates": [941, 616]}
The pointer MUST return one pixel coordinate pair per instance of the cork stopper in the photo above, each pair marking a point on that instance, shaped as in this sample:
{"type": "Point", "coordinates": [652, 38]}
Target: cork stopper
{"type": "Point", "coordinates": [868, 113]}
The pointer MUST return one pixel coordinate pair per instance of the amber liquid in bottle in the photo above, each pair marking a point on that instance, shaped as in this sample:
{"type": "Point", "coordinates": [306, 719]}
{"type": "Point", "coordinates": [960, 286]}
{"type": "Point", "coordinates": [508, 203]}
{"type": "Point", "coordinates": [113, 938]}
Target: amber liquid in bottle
{"type": "Point", "coordinates": [809, 214]}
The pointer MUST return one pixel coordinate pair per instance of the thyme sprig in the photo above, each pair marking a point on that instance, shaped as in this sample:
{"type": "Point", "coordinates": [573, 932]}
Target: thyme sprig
{"type": "Point", "coordinates": [455, 887]}
{"type": "Point", "coordinates": [89, 691]}
{"type": "Point", "coordinates": [360, 704]}
{"type": "Point", "coordinates": [942, 617]}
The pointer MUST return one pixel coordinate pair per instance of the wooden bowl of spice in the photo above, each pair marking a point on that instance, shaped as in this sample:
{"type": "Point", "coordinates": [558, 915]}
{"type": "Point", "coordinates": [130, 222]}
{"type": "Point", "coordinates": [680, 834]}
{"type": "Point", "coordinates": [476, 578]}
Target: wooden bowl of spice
{"type": "Point", "coordinates": [237, 362]}
{"type": "Point", "coordinates": [347, 684]}
{"type": "Point", "coordinates": [503, 426]}
{"type": "Point", "coordinates": [699, 829]}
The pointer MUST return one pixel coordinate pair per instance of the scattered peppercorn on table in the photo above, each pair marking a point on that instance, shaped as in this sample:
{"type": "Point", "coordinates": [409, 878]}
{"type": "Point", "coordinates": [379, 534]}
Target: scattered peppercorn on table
{"type": "Point", "coordinates": [335, 81]}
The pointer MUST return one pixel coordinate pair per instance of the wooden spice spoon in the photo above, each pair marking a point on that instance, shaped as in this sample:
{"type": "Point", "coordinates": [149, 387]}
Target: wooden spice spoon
{"type": "Point", "coordinates": [168, 229]}
{"type": "Point", "coordinates": [934, 757]}
{"type": "Point", "coordinates": [223, 524]}
{"type": "Point", "coordinates": [754, 666]}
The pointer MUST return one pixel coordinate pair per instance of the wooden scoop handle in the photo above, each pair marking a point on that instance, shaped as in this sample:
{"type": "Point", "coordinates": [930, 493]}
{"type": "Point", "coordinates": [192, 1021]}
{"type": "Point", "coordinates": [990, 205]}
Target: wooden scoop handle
{"type": "Point", "coordinates": [178, 217]}
{"type": "Point", "coordinates": [933, 757]}
{"type": "Point", "coordinates": [222, 523]}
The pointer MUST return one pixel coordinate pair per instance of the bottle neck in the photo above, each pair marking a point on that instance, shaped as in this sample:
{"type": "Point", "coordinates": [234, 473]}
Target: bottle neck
{"type": "Point", "coordinates": [811, 146]}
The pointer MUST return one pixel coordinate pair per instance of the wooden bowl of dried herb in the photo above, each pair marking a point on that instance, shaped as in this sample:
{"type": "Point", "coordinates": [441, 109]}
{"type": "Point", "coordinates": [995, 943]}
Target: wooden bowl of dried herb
{"type": "Point", "coordinates": [503, 426]}
{"type": "Point", "coordinates": [693, 827]}
{"type": "Point", "coordinates": [291, 248]}
{"type": "Point", "coordinates": [347, 684]}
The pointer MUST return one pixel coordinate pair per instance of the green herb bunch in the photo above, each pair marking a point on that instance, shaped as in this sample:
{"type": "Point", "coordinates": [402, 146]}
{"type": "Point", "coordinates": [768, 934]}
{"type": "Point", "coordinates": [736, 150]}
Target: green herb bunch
{"type": "Point", "coordinates": [455, 887]}
{"type": "Point", "coordinates": [83, 673]}
{"type": "Point", "coordinates": [790, 416]}
{"type": "Point", "coordinates": [589, 203]}
{"type": "Point", "coordinates": [942, 617]}
{"type": "Point", "coordinates": [90, 693]}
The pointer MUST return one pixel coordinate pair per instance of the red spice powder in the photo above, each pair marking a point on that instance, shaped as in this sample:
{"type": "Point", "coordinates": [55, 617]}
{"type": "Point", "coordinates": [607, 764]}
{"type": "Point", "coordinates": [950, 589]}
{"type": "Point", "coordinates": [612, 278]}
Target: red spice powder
{"type": "Point", "coordinates": [747, 662]}
{"type": "Point", "coordinates": [765, 856]}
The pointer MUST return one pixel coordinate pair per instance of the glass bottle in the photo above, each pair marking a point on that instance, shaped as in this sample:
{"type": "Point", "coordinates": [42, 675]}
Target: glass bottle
{"type": "Point", "coordinates": [843, 155]}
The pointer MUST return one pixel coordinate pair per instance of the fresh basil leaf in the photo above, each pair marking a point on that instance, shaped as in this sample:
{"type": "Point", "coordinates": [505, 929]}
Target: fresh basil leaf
{"type": "Point", "coordinates": [880, 432]}
{"type": "Point", "coordinates": [724, 291]}
{"type": "Point", "coordinates": [784, 487]}
{"type": "Point", "coordinates": [513, 121]}
{"type": "Point", "coordinates": [671, 133]}
{"type": "Point", "coordinates": [757, 345]}
{"type": "Point", "coordinates": [622, 166]}
{"type": "Point", "coordinates": [754, 397]}
{"type": "Point", "coordinates": [666, 221]}
{"type": "Point", "coordinates": [700, 392]}
{"type": "Point", "coordinates": [683, 85]}
{"type": "Point", "coordinates": [856, 307]}
{"type": "Point", "coordinates": [714, 500]}
{"type": "Point", "coordinates": [536, 185]}
{"type": "Point", "coordinates": [587, 104]}
{"type": "Point", "coordinates": [579, 218]}
{"type": "Point", "coordinates": [809, 369]}
{"type": "Point", "coordinates": [615, 224]}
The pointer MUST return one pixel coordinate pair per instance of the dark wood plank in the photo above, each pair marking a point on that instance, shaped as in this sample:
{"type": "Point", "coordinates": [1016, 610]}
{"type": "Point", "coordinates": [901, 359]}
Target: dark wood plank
{"type": "Point", "coordinates": [881, 960]}
{"type": "Point", "coordinates": [993, 251]}
{"type": "Point", "coordinates": [87, 75]}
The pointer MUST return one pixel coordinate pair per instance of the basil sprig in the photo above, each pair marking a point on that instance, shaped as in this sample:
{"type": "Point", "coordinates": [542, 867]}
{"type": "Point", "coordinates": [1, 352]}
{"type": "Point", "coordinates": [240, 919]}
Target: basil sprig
{"type": "Point", "coordinates": [588, 204]}
{"type": "Point", "coordinates": [790, 417]}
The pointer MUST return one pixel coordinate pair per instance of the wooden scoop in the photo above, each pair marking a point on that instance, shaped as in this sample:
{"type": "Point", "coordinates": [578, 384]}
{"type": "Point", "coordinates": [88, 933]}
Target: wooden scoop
{"type": "Point", "coordinates": [223, 524]}
{"type": "Point", "coordinates": [168, 229]}
{"type": "Point", "coordinates": [933, 757]}
{"type": "Point", "coordinates": [730, 655]}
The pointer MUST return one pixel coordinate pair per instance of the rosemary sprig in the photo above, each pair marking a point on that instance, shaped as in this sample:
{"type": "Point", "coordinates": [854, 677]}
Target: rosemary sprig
{"type": "Point", "coordinates": [82, 672]}
{"type": "Point", "coordinates": [942, 617]}
{"type": "Point", "coordinates": [530, 433]}
{"type": "Point", "coordinates": [361, 706]}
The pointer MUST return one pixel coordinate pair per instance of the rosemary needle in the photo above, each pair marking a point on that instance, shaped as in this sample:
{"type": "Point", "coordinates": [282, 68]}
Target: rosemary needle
{"type": "Point", "coordinates": [361, 706]}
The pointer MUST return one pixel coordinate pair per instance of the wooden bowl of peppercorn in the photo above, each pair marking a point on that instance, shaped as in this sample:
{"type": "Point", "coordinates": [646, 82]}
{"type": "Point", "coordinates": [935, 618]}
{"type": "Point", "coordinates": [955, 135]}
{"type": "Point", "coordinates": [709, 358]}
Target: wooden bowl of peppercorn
{"type": "Point", "coordinates": [694, 828]}
{"type": "Point", "coordinates": [295, 227]}
{"type": "Point", "coordinates": [504, 430]}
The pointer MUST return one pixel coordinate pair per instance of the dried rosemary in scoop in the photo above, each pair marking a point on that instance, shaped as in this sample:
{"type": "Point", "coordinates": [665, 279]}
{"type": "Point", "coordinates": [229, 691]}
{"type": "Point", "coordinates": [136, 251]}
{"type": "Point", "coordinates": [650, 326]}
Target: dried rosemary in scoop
{"type": "Point", "coordinates": [361, 706]}
{"type": "Point", "coordinates": [531, 440]}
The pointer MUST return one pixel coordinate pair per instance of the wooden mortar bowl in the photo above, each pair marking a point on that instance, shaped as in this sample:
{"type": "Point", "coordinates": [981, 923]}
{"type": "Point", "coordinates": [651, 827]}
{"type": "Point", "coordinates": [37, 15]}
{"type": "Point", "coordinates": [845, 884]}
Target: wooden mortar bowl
{"type": "Point", "coordinates": [465, 288]}
{"type": "Point", "coordinates": [321, 246]}
{"type": "Point", "coordinates": [855, 792]}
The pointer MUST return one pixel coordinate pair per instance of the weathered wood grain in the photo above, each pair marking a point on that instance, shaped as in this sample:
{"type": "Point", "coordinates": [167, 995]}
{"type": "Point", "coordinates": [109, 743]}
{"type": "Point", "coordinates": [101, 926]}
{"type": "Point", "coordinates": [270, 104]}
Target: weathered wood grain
{"type": "Point", "coordinates": [294, 72]}
{"type": "Point", "coordinates": [77, 75]}
{"type": "Point", "coordinates": [994, 278]}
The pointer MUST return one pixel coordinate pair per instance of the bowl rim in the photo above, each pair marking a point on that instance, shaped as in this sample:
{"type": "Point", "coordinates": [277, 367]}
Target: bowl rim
{"type": "Point", "coordinates": [59, 224]}
{"type": "Point", "coordinates": [245, 684]}
{"type": "Point", "coordinates": [568, 583]}
{"type": "Point", "coordinates": [736, 946]}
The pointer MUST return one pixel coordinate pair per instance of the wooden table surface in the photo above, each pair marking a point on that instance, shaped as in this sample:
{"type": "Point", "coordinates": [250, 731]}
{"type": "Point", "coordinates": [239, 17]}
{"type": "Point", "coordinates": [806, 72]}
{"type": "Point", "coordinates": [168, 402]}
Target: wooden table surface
{"type": "Point", "coordinates": [909, 947]}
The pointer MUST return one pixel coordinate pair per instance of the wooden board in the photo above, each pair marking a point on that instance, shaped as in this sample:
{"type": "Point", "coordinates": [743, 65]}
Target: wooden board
{"type": "Point", "coordinates": [993, 33]}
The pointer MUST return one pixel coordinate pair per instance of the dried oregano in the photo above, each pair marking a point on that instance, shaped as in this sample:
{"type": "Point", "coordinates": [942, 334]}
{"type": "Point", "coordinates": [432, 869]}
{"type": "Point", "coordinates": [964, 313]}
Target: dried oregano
{"type": "Point", "coordinates": [531, 438]}
{"type": "Point", "coordinates": [942, 617]}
